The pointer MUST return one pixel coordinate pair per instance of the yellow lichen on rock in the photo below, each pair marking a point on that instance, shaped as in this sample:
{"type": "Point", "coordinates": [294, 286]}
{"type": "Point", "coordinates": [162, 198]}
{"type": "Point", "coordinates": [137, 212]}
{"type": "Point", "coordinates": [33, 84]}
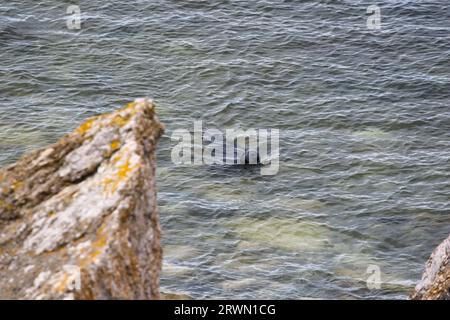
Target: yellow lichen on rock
{"type": "Point", "coordinates": [115, 145]}
{"type": "Point", "coordinates": [85, 127]}
{"type": "Point", "coordinates": [16, 185]}
{"type": "Point", "coordinates": [123, 168]}
{"type": "Point", "coordinates": [120, 121]}
{"type": "Point", "coordinates": [131, 107]}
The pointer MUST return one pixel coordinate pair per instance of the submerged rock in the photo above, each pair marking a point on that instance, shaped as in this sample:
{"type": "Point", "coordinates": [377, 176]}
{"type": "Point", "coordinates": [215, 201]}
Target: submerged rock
{"type": "Point", "coordinates": [435, 283]}
{"type": "Point", "coordinates": [78, 220]}
{"type": "Point", "coordinates": [283, 233]}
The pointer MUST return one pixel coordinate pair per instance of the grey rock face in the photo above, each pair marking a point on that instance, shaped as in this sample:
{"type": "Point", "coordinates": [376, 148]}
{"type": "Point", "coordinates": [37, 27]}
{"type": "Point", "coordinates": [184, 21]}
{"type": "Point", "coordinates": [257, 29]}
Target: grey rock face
{"type": "Point", "coordinates": [435, 283]}
{"type": "Point", "coordinates": [79, 219]}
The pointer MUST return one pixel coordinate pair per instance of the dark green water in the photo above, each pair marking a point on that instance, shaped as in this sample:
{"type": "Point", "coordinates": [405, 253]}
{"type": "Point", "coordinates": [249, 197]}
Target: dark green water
{"type": "Point", "coordinates": [364, 119]}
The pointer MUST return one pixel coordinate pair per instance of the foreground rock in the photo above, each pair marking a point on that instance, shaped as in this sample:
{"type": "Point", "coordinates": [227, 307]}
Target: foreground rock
{"type": "Point", "coordinates": [435, 283]}
{"type": "Point", "coordinates": [78, 220]}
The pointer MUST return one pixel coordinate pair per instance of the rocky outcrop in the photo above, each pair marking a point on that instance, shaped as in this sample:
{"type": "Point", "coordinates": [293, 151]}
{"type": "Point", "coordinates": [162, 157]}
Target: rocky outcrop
{"type": "Point", "coordinates": [435, 283]}
{"type": "Point", "coordinates": [78, 220]}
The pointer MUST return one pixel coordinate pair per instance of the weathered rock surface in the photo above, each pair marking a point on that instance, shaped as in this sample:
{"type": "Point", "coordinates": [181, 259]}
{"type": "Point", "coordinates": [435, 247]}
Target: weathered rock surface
{"type": "Point", "coordinates": [435, 283]}
{"type": "Point", "coordinates": [78, 220]}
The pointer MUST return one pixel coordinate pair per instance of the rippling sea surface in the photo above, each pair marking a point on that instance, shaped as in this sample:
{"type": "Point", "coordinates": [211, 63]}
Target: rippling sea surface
{"type": "Point", "coordinates": [364, 119]}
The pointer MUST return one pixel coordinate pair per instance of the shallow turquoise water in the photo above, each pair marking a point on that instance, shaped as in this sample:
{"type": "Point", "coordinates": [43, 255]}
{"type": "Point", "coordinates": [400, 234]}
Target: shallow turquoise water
{"type": "Point", "coordinates": [363, 115]}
